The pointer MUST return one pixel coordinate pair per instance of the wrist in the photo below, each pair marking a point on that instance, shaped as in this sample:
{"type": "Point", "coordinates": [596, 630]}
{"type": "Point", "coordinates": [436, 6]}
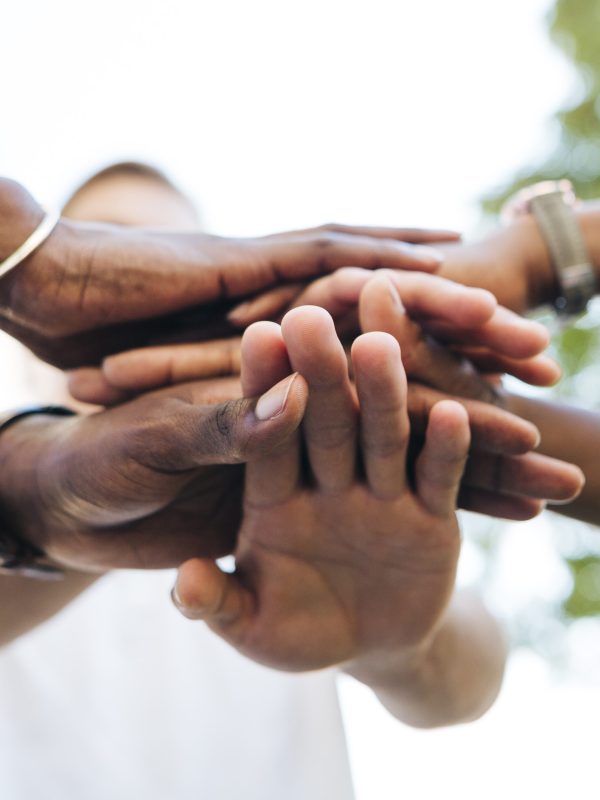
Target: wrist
{"type": "Point", "coordinates": [453, 677]}
{"type": "Point", "coordinates": [393, 670]}
{"type": "Point", "coordinates": [541, 285]}
{"type": "Point", "coordinates": [25, 287]}
{"type": "Point", "coordinates": [588, 217]}
{"type": "Point", "coordinates": [26, 474]}
{"type": "Point", "coordinates": [19, 216]}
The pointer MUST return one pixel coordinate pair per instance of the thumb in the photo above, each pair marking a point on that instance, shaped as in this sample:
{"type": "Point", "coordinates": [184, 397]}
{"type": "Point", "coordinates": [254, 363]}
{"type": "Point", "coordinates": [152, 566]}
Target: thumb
{"type": "Point", "coordinates": [233, 432]}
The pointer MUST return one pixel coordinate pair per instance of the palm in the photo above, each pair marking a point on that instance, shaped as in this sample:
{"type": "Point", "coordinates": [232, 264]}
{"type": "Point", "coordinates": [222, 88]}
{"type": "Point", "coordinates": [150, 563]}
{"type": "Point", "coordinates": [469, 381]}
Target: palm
{"type": "Point", "coordinates": [342, 575]}
{"type": "Point", "coordinates": [350, 559]}
{"type": "Point", "coordinates": [151, 482]}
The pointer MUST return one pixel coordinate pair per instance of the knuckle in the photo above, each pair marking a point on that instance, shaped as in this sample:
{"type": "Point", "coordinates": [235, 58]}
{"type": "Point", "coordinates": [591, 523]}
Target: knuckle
{"type": "Point", "coordinates": [224, 431]}
{"type": "Point", "coordinates": [325, 240]}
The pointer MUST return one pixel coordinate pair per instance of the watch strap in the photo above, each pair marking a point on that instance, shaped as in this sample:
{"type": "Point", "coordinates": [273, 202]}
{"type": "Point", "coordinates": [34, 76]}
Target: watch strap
{"type": "Point", "coordinates": [574, 273]}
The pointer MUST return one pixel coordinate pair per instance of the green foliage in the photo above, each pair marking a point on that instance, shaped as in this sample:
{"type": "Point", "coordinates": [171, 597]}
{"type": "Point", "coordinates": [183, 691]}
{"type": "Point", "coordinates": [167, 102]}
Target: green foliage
{"type": "Point", "coordinates": [574, 26]}
{"type": "Point", "coordinates": [584, 600]}
{"type": "Point", "coordinates": [577, 350]}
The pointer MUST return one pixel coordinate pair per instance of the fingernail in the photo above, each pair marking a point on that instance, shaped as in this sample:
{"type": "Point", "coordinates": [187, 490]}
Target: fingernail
{"type": "Point", "coordinates": [272, 403]}
{"type": "Point", "coordinates": [429, 254]}
{"type": "Point", "coordinates": [236, 315]}
{"type": "Point", "coordinates": [394, 293]}
{"type": "Point", "coordinates": [176, 599]}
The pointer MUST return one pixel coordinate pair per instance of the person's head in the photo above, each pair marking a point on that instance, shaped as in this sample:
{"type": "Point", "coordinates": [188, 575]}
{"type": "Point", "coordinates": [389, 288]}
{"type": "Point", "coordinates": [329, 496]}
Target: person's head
{"type": "Point", "coordinates": [132, 193]}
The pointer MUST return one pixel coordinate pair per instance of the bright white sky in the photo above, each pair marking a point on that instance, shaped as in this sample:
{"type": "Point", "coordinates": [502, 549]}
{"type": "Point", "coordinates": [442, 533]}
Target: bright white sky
{"type": "Point", "coordinates": [274, 115]}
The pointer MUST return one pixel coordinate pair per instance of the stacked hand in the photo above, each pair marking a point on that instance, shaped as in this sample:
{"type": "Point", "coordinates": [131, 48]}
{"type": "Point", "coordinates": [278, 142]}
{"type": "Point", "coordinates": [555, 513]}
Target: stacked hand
{"type": "Point", "coordinates": [96, 289]}
{"type": "Point", "coordinates": [337, 559]}
{"type": "Point", "coordinates": [502, 477]}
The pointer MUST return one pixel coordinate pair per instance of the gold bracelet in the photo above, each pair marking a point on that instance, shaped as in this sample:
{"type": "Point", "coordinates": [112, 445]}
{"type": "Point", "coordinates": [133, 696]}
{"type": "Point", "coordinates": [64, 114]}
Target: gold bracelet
{"type": "Point", "coordinates": [38, 237]}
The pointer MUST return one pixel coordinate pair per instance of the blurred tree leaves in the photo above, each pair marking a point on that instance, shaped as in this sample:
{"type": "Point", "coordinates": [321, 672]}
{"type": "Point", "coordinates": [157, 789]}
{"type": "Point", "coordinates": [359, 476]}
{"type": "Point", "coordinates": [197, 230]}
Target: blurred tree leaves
{"type": "Point", "coordinates": [584, 600]}
{"type": "Point", "coordinates": [574, 26]}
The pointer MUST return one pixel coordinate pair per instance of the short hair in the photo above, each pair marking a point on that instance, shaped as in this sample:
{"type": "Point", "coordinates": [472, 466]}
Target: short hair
{"type": "Point", "coordinates": [126, 168]}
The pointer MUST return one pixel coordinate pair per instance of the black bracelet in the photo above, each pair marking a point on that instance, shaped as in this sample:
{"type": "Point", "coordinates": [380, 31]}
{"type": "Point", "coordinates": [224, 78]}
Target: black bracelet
{"type": "Point", "coordinates": [18, 557]}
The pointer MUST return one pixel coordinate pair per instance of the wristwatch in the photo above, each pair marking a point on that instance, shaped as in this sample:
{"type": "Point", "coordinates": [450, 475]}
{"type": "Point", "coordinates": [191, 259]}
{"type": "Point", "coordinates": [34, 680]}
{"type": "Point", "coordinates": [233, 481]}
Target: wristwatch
{"type": "Point", "coordinates": [552, 203]}
{"type": "Point", "coordinates": [17, 556]}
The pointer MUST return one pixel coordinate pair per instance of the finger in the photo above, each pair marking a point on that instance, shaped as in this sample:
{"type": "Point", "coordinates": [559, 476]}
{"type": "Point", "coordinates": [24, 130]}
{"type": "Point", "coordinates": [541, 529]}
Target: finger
{"type": "Point", "coordinates": [149, 367]}
{"type": "Point", "coordinates": [186, 435]}
{"type": "Point", "coordinates": [330, 420]}
{"type": "Point", "coordinates": [413, 235]}
{"type": "Point", "coordinates": [268, 305]}
{"type": "Point", "coordinates": [264, 358]}
{"type": "Point", "coordinates": [441, 463]}
{"type": "Point", "coordinates": [531, 475]}
{"type": "Point", "coordinates": [381, 308]}
{"type": "Point", "coordinates": [493, 504]}
{"type": "Point", "coordinates": [271, 479]}
{"type": "Point", "coordinates": [202, 591]}
{"type": "Point", "coordinates": [506, 333]}
{"type": "Point", "coordinates": [88, 385]}
{"type": "Point", "coordinates": [337, 293]}
{"type": "Point", "coordinates": [423, 295]}
{"type": "Point", "coordinates": [299, 255]}
{"type": "Point", "coordinates": [492, 429]}
{"type": "Point", "coordinates": [537, 371]}
{"type": "Point", "coordinates": [384, 426]}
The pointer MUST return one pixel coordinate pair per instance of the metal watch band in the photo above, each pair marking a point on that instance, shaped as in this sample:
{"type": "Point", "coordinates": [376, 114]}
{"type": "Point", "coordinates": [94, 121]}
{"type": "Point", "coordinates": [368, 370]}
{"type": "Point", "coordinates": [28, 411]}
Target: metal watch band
{"type": "Point", "coordinates": [574, 272]}
{"type": "Point", "coordinates": [18, 557]}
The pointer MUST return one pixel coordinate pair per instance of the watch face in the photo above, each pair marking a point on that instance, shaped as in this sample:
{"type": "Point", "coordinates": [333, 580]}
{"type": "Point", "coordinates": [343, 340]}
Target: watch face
{"type": "Point", "coordinates": [519, 204]}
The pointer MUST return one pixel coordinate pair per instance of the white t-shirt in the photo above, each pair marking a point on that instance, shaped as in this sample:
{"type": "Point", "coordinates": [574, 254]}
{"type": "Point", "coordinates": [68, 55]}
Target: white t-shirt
{"type": "Point", "coordinates": [118, 697]}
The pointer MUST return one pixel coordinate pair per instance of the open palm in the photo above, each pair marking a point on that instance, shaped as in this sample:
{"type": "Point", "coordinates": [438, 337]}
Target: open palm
{"type": "Point", "coordinates": [340, 555]}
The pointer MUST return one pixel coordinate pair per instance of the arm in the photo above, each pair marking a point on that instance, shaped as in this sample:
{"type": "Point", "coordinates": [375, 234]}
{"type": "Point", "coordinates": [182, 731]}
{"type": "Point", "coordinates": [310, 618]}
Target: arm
{"type": "Point", "coordinates": [26, 603]}
{"type": "Point", "coordinates": [140, 486]}
{"type": "Point", "coordinates": [353, 568]}
{"type": "Point", "coordinates": [513, 263]}
{"type": "Point", "coordinates": [573, 435]}
{"type": "Point", "coordinates": [454, 679]}
{"type": "Point", "coordinates": [91, 289]}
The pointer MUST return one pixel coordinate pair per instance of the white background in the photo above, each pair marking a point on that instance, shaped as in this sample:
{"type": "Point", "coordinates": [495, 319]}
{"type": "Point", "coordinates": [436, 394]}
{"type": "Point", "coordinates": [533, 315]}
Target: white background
{"type": "Point", "coordinates": [275, 115]}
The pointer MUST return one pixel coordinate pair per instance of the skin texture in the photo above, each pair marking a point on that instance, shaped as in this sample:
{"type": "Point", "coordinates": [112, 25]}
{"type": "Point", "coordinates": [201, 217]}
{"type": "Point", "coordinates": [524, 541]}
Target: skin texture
{"type": "Point", "coordinates": [502, 478]}
{"type": "Point", "coordinates": [341, 562]}
{"type": "Point", "coordinates": [386, 590]}
{"type": "Point", "coordinates": [136, 486]}
{"type": "Point", "coordinates": [75, 525]}
{"type": "Point", "coordinates": [513, 263]}
{"type": "Point", "coordinates": [94, 289]}
{"type": "Point", "coordinates": [573, 434]}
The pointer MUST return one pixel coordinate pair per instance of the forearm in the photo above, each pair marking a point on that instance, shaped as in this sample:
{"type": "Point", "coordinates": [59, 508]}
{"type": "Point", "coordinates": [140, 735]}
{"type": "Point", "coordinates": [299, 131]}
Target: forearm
{"type": "Point", "coordinates": [454, 680]}
{"type": "Point", "coordinates": [514, 262]}
{"type": "Point", "coordinates": [26, 602]}
{"type": "Point", "coordinates": [19, 216]}
{"type": "Point", "coordinates": [573, 435]}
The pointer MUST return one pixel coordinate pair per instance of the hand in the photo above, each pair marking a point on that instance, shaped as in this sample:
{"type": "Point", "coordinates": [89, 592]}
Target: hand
{"type": "Point", "coordinates": [513, 263]}
{"type": "Point", "coordinates": [91, 289]}
{"type": "Point", "coordinates": [441, 301]}
{"type": "Point", "coordinates": [334, 568]}
{"type": "Point", "coordinates": [503, 478]}
{"type": "Point", "coordinates": [491, 338]}
{"type": "Point", "coordinates": [143, 485]}
{"type": "Point", "coordinates": [498, 481]}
